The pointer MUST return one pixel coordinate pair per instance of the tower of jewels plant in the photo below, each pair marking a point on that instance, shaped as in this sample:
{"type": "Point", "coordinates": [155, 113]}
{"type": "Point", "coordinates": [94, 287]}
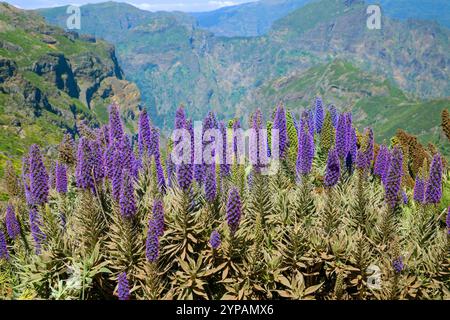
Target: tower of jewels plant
{"type": "Point", "coordinates": [119, 218]}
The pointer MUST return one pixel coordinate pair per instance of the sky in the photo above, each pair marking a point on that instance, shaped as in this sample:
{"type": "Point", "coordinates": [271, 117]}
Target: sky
{"type": "Point", "coordinates": [151, 5]}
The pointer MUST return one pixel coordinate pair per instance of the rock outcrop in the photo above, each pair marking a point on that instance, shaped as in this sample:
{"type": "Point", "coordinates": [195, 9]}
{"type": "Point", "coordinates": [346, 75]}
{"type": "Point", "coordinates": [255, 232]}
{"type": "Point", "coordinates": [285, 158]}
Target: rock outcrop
{"type": "Point", "coordinates": [50, 80]}
{"type": "Point", "coordinates": [55, 68]}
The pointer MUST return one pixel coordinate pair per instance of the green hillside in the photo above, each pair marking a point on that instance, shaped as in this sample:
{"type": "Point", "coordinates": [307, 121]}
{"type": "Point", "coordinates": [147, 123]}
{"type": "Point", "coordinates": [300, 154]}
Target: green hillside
{"type": "Point", "coordinates": [50, 80]}
{"type": "Point", "coordinates": [374, 101]}
{"type": "Point", "coordinates": [256, 18]}
{"type": "Point", "coordinates": [111, 20]}
{"type": "Point", "coordinates": [432, 10]}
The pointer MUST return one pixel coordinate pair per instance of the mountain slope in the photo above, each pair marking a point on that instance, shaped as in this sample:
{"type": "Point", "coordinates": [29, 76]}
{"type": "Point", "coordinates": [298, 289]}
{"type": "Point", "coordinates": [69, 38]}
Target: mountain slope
{"type": "Point", "coordinates": [374, 101]}
{"type": "Point", "coordinates": [175, 62]}
{"type": "Point", "coordinates": [414, 54]}
{"type": "Point", "coordinates": [50, 80]}
{"type": "Point", "coordinates": [248, 19]}
{"type": "Point", "coordinates": [430, 10]}
{"type": "Point", "coordinates": [256, 18]}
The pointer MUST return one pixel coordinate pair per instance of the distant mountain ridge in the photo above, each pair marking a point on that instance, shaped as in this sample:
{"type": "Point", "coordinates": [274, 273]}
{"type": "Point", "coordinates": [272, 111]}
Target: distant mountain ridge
{"type": "Point", "coordinates": [244, 20]}
{"type": "Point", "coordinates": [174, 61]}
{"type": "Point", "coordinates": [256, 18]}
{"type": "Point", "coordinates": [428, 10]}
{"type": "Point", "coordinates": [111, 20]}
{"type": "Point", "coordinates": [248, 19]}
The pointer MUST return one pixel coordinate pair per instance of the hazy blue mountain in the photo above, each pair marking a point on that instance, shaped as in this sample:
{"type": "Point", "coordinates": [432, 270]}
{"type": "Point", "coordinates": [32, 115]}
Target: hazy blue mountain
{"type": "Point", "coordinates": [434, 10]}
{"type": "Point", "coordinates": [110, 20]}
{"type": "Point", "coordinates": [245, 20]}
{"type": "Point", "coordinates": [256, 18]}
{"type": "Point", "coordinates": [248, 19]}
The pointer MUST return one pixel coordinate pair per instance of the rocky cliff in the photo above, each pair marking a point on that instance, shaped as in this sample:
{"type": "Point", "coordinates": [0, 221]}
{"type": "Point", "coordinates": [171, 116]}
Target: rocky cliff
{"type": "Point", "coordinates": [50, 80]}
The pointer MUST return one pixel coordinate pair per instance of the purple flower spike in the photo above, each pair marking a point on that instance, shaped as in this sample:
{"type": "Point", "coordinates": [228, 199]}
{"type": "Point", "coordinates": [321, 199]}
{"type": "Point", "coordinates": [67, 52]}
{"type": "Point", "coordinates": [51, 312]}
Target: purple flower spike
{"type": "Point", "coordinates": [349, 130]}
{"type": "Point", "coordinates": [433, 193]}
{"type": "Point", "coordinates": [144, 134]}
{"type": "Point", "coordinates": [85, 165]}
{"type": "Point", "coordinates": [123, 290]}
{"type": "Point", "coordinates": [333, 170]}
{"type": "Point", "coordinates": [158, 216]}
{"type": "Point", "coordinates": [341, 137]}
{"type": "Point", "coordinates": [353, 147]}
{"type": "Point", "coordinates": [36, 232]}
{"type": "Point", "coordinates": [117, 173]}
{"type": "Point", "coordinates": [361, 159]}
{"type": "Point", "coordinates": [115, 123]}
{"type": "Point", "coordinates": [4, 254]}
{"type": "Point", "coordinates": [198, 173]}
{"type": "Point", "coordinates": [382, 163]}
{"type": "Point", "coordinates": [190, 129]}
{"type": "Point", "coordinates": [38, 177]}
{"type": "Point", "coordinates": [394, 178]}
{"type": "Point", "coordinates": [109, 160]}
{"type": "Point", "coordinates": [160, 176]}
{"type": "Point", "coordinates": [419, 190]}
{"type": "Point", "coordinates": [128, 159]}
{"type": "Point", "coordinates": [365, 157]}
{"type": "Point", "coordinates": [279, 123]}
{"type": "Point", "coordinates": [61, 177]}
{"type": "Point", "coordinates": [404, 197]}
{"type": "Point", "coordinates": [210, 183]}
{"type": "Point", "coordinates": [12, 225]}
{"type": "Point", "coordinates": [104, 135]}
{"type": "Point", "coordinates": [388, 165]}
{"type": "Point", "coordinates": [334, 115]}
{"type": "Point", "coordinates": [349, 163]}
{"type": "Point", "coordinates": [98, 161]}
{"type": "Point", "coordinates": [154, 143]}
{"type": "Point", "coordinates": [305, 152]}
{"type": "Point", "coordinates": [180, 118]}
{"type": "Point", "coordinates": [225, 168]}
{"type": "Point", "coordinates": [214, 240]}
{"type": "Point", "coordinates": [184, 176]}
{"type": "Point", "coordinates": [234, 210]}
{"type": "Point", "coordinates": [127, 198]}
{"type": "Point", "coordinates": [318, 114]}
{"type": "Point", "coordinates": [184, 170]}
{"type": "Point", "coordinates": [152, 242]}
{"type": "Point", "coordinates": [398, 265]}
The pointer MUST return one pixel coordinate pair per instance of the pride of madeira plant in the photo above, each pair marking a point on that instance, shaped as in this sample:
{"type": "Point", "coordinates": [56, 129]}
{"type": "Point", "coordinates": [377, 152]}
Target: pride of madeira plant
{"type": "Point", "coordinates": [113, 217]}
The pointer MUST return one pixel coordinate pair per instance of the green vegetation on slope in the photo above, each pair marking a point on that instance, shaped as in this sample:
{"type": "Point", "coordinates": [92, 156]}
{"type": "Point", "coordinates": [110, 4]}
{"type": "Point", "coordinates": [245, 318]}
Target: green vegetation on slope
{"type": "Point", "coordinates": [48, 80]}
{"type": "Point", "coordinates": [374, 101]}
{"type": "Point", "coordinates": [174, 62]}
